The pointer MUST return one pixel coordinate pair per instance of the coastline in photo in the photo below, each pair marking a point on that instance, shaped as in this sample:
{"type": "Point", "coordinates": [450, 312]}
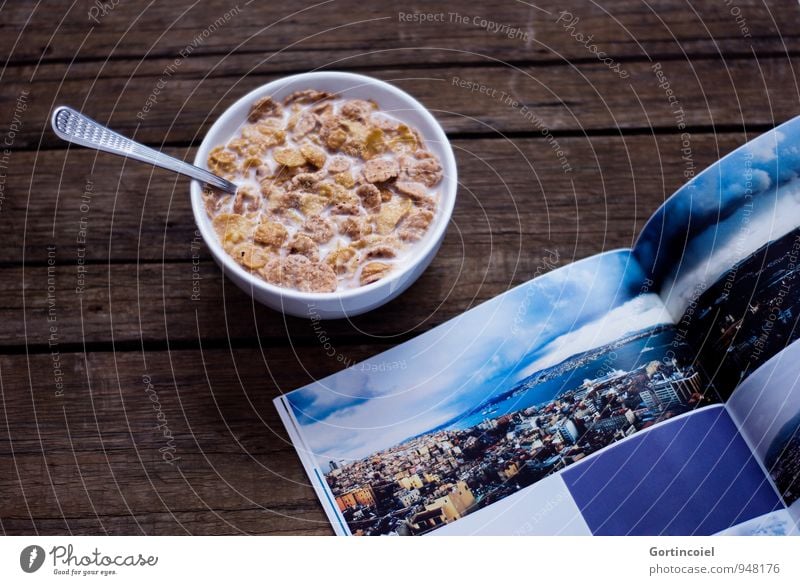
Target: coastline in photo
{"type": "Point", "coordinates": [537, 427]}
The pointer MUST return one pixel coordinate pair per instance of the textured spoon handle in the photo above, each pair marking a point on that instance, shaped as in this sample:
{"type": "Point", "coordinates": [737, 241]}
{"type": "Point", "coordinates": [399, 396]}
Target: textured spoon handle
{"type": "Point", "coordinates": [74, 127]}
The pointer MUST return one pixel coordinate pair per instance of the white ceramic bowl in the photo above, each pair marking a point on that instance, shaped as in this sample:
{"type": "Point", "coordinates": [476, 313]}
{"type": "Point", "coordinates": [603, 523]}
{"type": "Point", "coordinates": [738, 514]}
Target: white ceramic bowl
{"type": "Point", "coordinates": [351, 301]}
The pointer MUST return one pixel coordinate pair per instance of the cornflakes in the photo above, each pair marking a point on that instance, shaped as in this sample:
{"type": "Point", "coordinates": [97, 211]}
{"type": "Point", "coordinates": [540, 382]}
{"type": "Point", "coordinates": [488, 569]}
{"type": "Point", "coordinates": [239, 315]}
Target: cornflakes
{"type": "Point", "coordinates": [270, 233]}
{"type": "Point", "coordinates": [333, 193]}
{"type": "Point", "coordinates": [373, 271]}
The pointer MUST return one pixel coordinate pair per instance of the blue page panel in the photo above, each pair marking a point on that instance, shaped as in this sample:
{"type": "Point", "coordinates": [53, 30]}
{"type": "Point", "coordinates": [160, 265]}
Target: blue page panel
{"type": "Point", "coordinates": [694, 475]}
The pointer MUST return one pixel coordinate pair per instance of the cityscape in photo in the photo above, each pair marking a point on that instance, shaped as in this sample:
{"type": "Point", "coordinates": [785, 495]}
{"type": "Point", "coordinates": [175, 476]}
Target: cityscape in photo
{"type": "Point", "coordinates": [540, 425]}
{"type": "Point", "coordinates": [552, 372]}
{"type": "Point", "coordinates": [749, 314]}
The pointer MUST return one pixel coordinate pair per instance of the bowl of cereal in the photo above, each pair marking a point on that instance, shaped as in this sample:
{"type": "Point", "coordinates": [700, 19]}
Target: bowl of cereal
{"type": "Point", "coordinates": [345, 187]}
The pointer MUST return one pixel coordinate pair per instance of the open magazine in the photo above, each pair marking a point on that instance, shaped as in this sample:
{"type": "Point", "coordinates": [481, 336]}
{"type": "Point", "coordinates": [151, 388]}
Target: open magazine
{"type": "Point", "coordinates": [654, 390]}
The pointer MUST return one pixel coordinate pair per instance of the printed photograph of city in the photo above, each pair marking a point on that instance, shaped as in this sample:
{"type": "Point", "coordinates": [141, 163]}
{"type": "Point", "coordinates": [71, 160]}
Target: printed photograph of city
{"type": "Point", "coordinates": [749, 314]}
{"type": "Point", "coordinates": [723, 255]}
{"type": "Point", "coordinates": [519, 436]}
{"type": "Point", "coordinates": [507, 394]}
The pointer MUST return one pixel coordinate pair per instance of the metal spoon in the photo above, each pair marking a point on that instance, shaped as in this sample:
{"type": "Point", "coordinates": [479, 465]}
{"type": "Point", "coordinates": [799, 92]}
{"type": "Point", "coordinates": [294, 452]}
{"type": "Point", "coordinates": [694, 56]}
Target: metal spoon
{"type": "Point", "coordinates": [74, 127]}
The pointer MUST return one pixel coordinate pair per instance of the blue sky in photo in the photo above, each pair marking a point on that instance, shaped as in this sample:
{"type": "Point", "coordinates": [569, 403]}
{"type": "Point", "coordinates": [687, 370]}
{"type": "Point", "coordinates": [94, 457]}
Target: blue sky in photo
{"type": "Point", "coordinates": [747, 199]}
{"type": "Point", "coordinates": [447, 371]}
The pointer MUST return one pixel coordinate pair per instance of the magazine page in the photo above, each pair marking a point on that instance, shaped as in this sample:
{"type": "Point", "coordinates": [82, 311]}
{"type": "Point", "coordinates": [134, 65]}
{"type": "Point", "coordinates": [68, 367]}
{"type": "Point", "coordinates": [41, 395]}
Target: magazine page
{"type": "Point", "coordinates": [766, 407]}
{"type": "Point", "coordinates": [723, 254]}
{"type": "Point", "coordinates": [500, 422]}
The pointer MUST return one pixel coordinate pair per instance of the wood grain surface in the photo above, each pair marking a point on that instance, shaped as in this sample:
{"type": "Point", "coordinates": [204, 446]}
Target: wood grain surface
{"type": "Point", "coordinates": [81, 449]}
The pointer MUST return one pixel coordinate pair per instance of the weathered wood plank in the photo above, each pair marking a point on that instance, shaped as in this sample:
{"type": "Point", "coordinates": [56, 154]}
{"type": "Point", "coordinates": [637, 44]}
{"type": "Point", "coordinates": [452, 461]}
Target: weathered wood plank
{"type": "Point", "coordinates": [155, 303]}
{"type": "Point", "coordinates": [82, 442]}
{"type": "Point", "coordinates": [200, 523]}
{"type": "Point", "coordinates": [510, 225]}
{"type": "Point", "coordinates": [477, 100]}
{"type": "Point", "coordinates": [348, 32]}
{"type": "Point", "coordinates": [128, 212]}
{"type": "Point", "coordinates": [90, 457]}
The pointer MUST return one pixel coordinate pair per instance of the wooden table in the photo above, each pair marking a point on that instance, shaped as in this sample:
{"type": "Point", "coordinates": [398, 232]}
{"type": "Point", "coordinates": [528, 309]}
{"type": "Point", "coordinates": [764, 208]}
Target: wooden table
{"type": "Point", "coordinates": [121, 340]}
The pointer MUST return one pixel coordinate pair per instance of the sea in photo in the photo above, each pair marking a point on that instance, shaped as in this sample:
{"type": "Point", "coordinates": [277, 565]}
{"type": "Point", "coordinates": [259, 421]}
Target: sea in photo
{"type": "Point", "coordinates": [540, 426]}
{"type": "Point", "coordinates": [498, 399]}
{"type": "Point", "coordinates": [636, 353]}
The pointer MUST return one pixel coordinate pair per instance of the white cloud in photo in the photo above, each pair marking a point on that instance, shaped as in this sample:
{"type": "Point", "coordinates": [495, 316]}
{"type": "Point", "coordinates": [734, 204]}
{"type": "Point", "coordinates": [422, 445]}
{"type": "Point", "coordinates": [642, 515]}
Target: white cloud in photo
{"type": "Point", "coordinates": [639, 313]}
{"type": "Point", "coordinates": [456, 366]}
{"type": "Point", "coordinates": [341, 437]}
{"type": "Point", "coordinates": [774, 217]}
{"type": "Point", "coordinates": [764, 148]}
{"type": "Point", "coordinates": [432, 398]}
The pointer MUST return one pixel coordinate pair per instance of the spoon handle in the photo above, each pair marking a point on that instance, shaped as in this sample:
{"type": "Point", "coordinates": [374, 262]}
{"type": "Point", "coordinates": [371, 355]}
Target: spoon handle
{"type": "Point", "coordinates": [74, 127]}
